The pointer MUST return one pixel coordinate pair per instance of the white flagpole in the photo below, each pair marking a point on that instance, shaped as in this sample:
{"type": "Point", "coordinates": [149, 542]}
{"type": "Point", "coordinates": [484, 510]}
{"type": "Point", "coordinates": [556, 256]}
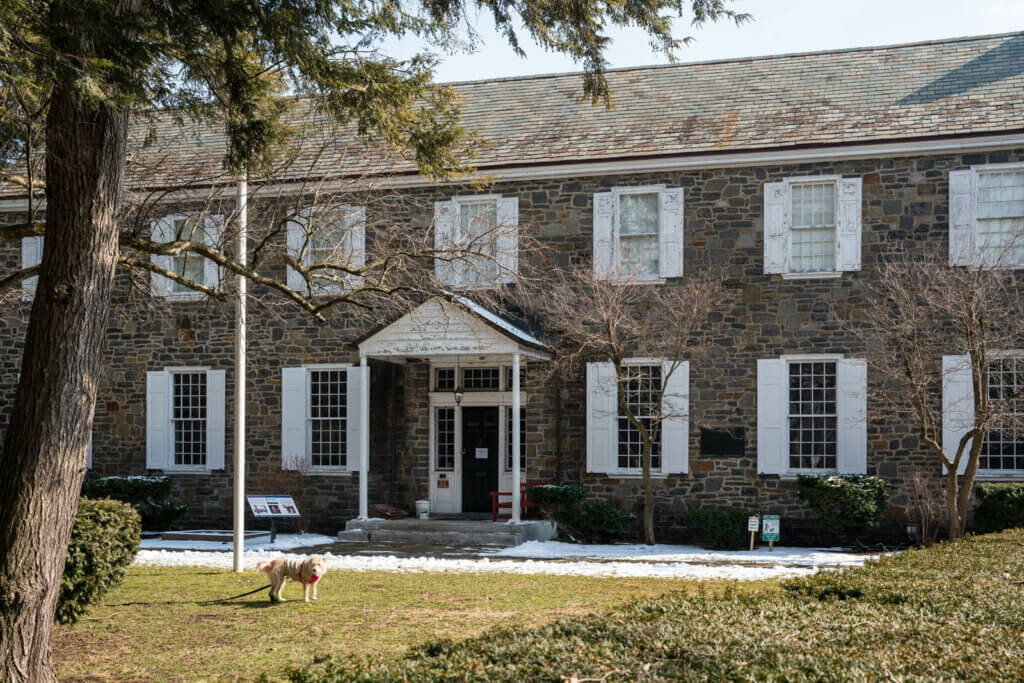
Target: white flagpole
{"type": "Point", "coordinates": [238, 502]}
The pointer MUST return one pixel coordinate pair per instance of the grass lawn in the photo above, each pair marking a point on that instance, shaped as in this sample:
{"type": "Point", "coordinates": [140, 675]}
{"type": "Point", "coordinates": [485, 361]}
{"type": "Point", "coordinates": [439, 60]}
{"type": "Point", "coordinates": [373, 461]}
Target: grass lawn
{"type": "Point", "coordinates": [150, 627]}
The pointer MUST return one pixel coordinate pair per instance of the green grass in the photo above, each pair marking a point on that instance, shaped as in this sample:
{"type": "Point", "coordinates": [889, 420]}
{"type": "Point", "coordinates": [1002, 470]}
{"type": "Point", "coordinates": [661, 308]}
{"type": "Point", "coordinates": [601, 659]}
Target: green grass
{"type": "Point", "coordinates": [150, 627]}
{"type": "Point", "coordinates": [952, 612]}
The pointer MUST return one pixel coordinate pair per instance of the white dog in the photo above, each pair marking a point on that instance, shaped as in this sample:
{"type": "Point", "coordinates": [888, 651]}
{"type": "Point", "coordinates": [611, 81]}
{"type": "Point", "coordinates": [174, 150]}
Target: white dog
{"type": "Point", "coordinates": [306, 571]}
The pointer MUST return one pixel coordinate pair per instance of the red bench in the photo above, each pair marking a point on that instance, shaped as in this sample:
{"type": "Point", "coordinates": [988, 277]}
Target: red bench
{"type": "Point", "coordinates": [498, 505]}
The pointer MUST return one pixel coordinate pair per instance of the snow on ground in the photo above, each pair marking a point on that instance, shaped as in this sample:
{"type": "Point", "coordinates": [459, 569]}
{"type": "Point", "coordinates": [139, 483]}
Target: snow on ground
{"type": "Point", "coordinates": [812, 557]}
{"type": "Point", "coordinates": [534, 557]}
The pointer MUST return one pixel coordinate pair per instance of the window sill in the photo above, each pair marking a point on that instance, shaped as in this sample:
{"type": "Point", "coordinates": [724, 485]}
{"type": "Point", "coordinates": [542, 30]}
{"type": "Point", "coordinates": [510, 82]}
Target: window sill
{"type": "Point", "coordinates": [187, 470]}
{"type": "Point", "coordinates": [812, 276]}
{"type": "Point", "coordinates": [1011, 475]}
{"type": "Point", "coordinates": [631, 475]}
{"type": "Point", "coordinates": [190, 296]}
{"type": "Point", "coordinates": [328, 472]}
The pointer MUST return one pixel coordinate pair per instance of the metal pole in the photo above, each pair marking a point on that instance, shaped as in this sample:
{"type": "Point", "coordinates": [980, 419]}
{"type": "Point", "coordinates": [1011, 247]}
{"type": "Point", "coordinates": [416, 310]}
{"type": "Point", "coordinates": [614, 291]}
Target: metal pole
{"type": "Point", "coordinates": [364, 438]}
{"type": "Point", "coordinates": [516, 488]}
{"type": "Point", "coordinates": [238, 501]}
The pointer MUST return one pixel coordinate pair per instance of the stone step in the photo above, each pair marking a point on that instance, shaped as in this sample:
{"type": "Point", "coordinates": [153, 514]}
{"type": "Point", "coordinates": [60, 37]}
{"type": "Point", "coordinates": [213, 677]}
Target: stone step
{"type": "Point", "coordinates": [449, 532]}
{"type": "Point", "coordinates": [358, 535]}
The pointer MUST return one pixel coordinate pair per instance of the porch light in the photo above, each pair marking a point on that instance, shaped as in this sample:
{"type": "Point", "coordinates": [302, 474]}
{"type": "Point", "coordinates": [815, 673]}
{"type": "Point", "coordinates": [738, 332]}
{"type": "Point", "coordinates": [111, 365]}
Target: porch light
{"type": "Point", "coordinates": [458, 395]}
{"type": "Point", "coordinates": [459, 392]}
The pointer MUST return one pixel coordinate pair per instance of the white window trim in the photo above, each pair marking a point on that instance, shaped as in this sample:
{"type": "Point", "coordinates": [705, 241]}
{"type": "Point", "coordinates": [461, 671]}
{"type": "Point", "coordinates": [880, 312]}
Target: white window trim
{"type": "Point", "coordinates": [1002, 475]}
{"type": "Point", "coordinates": [169, 466]}
{"type": "Point", "coordinates": [794, 472]}
{"type": "Point", "coordinates": [616, 236]}
{"type": "Point", "coordinates": [323, 470]}
{"type": "Point", "coordinates": [978, 170]}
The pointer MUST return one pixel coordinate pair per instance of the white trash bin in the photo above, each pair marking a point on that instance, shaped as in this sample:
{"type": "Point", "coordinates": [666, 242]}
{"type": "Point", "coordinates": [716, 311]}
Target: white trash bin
{"type": "Point", "coordinates": [423, 509]}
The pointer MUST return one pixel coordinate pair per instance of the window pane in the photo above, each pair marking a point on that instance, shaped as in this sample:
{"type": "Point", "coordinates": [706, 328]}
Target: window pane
{"type": "Point", "coordinates": [1003, 448]}
{"type": "Point", "coordinates": [189, 266]}
{"type": "Point", "coordinates": [642, 386]}
{"type": "Point", "coordinates": [638, 214]}
{"type": "Point", "coordinates": [814, 232]}
{"type": "Point", "coordinates": [639, 255]}
{"type": "Point", "coordinates": [812, 415]}
{"type": "Point", "coordinates": [477, 233]}
{"type": "Point", "coordinates": [1001, 194]}
{"type": "Point", "coordinates": [480, 379]}
{"type": "Point", "coordinates": [188, 418]}
{"type": "Point", "coordinates": [444, 379]}
{"type": "Point", "coordinates": [328, 418]}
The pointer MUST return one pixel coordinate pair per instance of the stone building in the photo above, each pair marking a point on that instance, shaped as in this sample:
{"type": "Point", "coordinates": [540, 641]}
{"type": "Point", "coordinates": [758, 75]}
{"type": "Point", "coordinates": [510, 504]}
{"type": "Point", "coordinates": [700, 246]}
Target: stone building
{"type": "Point", "coordinates": [795, 174]}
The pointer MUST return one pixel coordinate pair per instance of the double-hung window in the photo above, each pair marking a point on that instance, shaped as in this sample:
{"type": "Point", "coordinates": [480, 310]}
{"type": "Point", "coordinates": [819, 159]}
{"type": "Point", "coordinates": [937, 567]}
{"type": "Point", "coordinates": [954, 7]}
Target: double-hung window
{"type": "Point", "coordinates": [987, 216]}
{"type": "Point", "coordinates": [641, 389]}
{"type": "Point", "coordinates": [187, 265]}
{"type": "Point", "coordinates": [477, 241]}
{"type": "Point", "coordinates": [331, 242]}
{"type": "Point", "coordinates": [185, 419]}
{"type": "Point", "coordinates": [811, 415]}
{"type": "Point", "coordinates": [320, 418]}
{"type": "Point", "coordinates": [812, 226]}
{"type": "Point", "coordinates": [638, 234]}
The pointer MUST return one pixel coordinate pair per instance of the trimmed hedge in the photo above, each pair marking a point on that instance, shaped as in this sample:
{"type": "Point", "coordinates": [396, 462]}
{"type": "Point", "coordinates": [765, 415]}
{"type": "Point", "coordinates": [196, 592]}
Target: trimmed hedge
{"type": "Point", "coordinates": [724, 528]}
{"type": "Point", "coordinates": [589, 521]}
{"type": "Point", "coordinates": [850, 505]}
{"type": "Point", "coordinates": [104, 541]}
{"type": "Point", "coordinates": [151, 496]}
{"type": "Point", "coordinates": [1000, 506]}
{"type": "Point", "coordinates": [946, 612]}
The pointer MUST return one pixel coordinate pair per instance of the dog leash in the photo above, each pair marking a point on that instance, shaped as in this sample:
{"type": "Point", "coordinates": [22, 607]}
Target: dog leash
{"type": "Point", "coordinates": [233, 597]}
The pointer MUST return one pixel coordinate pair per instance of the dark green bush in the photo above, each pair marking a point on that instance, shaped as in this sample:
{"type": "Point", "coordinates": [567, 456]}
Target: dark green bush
{"type": "Point", "coordinates": [589, 521]}
{"type": "Point", "coordinates": [104, 541]}
{"type": "Point", "coordinates": [724, 528]}
{"type": "Point", "coordinates": [944, 613]}
{"type": "Point", "coordinates": [850, 505]}
{"type": "Point", "coordinates": [1000, 506]}
{"type": "Point", "coordinates": [151, 496]}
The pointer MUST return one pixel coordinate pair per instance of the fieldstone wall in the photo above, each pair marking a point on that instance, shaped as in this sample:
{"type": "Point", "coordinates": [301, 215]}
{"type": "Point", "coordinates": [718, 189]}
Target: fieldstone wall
{"type": "Point", "coordinates": [905, 206]}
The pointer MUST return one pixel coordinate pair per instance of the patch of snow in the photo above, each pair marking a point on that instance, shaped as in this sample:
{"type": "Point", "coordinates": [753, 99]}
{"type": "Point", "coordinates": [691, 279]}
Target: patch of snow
{"type": "Point", "coordinates": [401, 565]}
{"type": "Point", "coordinates": [282, 542]}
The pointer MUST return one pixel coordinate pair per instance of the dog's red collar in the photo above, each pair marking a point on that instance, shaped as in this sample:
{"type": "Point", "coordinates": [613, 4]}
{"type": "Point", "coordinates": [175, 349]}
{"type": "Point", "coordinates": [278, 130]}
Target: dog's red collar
{"type": "Point", "coordinates": [314, 578]}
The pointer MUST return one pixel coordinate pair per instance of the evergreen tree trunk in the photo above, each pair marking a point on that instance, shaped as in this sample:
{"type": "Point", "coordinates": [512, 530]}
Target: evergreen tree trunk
{"type": "Point", "coordinates": [44, 456]}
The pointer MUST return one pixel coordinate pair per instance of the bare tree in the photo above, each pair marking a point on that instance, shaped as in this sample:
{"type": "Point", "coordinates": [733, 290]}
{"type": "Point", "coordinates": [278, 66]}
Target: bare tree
{"type": "Point", "coordinates": [616, 320]}
{"type": "Point", "coordinates": [928, 325]}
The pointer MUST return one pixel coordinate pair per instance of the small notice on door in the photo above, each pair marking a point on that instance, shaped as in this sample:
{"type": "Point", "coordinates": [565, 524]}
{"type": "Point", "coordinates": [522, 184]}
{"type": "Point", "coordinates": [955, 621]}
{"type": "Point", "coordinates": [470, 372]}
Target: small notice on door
{"type": "Point", "coordinates": [482, 454]}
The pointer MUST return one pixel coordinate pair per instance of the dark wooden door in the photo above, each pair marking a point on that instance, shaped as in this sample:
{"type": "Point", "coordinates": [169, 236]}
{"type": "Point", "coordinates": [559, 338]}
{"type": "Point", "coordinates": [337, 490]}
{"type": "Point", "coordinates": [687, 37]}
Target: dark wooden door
{"type": "Point", "coordinates": [479, 458]}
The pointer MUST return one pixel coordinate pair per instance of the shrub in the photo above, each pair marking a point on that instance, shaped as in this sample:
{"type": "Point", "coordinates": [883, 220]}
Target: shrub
{"type": "Point", "coordinates": [104, 541]}
{"type": "Point", "coordinates": [1000, 506]}
{"type": "Point", "coordinates": [724, 528]}
{"type": "Point", "coordinates": [151, 496]}
{"type": "Point", "coordinates": [850, 505]}
{"type": "Point", "coordinates": [935, 614]}
{"type": "Point", "coordinates": [589, 521]}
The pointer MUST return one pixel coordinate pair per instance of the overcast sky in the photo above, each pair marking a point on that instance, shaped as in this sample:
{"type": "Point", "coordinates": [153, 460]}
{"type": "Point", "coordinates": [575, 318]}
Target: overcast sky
{"type": "Point", "coordinates": [778, 26]}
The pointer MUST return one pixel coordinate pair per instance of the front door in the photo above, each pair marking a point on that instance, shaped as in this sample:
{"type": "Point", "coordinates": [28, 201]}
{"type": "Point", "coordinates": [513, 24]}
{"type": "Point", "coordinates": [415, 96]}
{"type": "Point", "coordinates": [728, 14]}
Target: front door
{"type": "Point", "coordinates": [479, 458]}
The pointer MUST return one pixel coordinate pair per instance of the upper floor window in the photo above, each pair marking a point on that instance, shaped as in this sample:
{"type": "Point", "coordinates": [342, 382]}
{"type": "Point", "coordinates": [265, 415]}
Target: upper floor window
{"type": "Point", "coordinates": [31, 255]}
{"type": "Point", "coordinates": [987, 216]}
{"type": "Point", "coordinates": [812, 226]}
{"type": "Point", "coordinates": [187, 265]}
{"type": "Point", "coordinates": [185, 419]}
{"type": "Point", "coordinates": [638, 234]}
{"type": "Point", "coordinates": [329, 240]}
{"type": "Point", "coordinates": [477, 240]}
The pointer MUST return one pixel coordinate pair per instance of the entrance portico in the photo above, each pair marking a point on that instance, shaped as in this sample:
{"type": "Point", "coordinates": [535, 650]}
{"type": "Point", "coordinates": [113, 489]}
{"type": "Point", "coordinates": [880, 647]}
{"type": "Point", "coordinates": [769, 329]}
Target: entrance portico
{"type": "Point", "coordinates": [475, 398]}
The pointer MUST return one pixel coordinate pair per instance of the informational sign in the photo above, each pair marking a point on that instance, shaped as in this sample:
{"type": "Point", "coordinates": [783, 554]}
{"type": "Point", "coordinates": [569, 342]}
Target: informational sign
{"type": "Point", "coordinates": [272, 506]}
{"type": "Point", "coordinates": [753, 523]}
{"type": "Point", "coordinates": [482, 453]}
{"type": "Point", "coordinates": [770, 528]}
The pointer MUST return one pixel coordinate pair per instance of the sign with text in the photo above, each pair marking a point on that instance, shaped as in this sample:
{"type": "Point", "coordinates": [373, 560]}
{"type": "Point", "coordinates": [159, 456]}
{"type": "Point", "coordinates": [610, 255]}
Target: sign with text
{"type": "Point", "coordinates": [272, 506]}
{"type": "Point", "coordinates": [753, 522]}
{"type": "Point", "coordinates": [770, 528]}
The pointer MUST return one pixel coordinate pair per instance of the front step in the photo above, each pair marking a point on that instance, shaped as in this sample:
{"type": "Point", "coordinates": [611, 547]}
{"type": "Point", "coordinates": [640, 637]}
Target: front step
{"type": "Point", "coordinates": [445, 532]}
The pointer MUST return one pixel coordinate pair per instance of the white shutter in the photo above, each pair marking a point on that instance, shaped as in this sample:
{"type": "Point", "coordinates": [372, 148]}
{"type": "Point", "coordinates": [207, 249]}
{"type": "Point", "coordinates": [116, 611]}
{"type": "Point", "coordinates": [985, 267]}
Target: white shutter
{"type": "Point", "coordinates": [963, 202]}
{"type": "Point", "coordinates": [294, 396]}
{"type": "Point", "coordinates": [604, 235]}
{"type": "Point", "coordinates": [162, 230]}
{"type": "Point", "coordinates": [295, 229]}
{"type": "Point", "coordinates": [848, 224]}
{"type": "Point", "coordinates": [852, 411]}
{"type": "Point", "coordinates": [31, 255]}
{"type": "Point", "coordinates": [670, 261]}
{"type": "Point", "coordinates": [444, 240]}
{"type": "Point", "coordinates": [215, 434]}
{"type": "Point", "coordinates": [508, 238]}
{"type": "Point", "coordinates": [772, 403]}
{"type": "Point", "coordinates": [602, 403]}
{"type": "Point", "coordinates": [213, 228]}
{"type": "Point", "coordinates": [355, 242]}
{"type": "Point", "coordinates": [675, 426]}
{"type": "Point", "coordinates": [776, 227]}
{"type": "Point", "coordinates": [957, 406]}
{"type": "Point", "coordinates": [354, 416]}
{"type": "Point", "coordinates": [158, 419]}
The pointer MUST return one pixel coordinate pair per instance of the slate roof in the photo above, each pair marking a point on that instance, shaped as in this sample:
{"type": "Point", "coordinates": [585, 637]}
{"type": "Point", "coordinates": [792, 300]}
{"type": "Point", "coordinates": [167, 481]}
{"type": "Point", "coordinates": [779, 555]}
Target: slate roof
{"type": "Point", "coordinates": [956, 87]}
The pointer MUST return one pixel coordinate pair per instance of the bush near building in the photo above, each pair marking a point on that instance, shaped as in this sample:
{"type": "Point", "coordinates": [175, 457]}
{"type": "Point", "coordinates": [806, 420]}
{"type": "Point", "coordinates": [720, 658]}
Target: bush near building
{"type": "Point", "coordinates": [940, 613]}
{"type": "Point", "coordinates": [724, 528]}
{"type": "Point", "coordinates": [104, 541]}
{"type": "Point", "coordinates": [851, 506]}
{"type": "Point", "coordinates": [151, 496]}
{"type": "Point", "coordinates": [1000, 506]}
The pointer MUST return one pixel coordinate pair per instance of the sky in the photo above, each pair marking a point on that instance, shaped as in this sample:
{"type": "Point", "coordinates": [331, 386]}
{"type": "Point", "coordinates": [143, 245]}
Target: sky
{"type": "Point", "coordinates": [778, 27]}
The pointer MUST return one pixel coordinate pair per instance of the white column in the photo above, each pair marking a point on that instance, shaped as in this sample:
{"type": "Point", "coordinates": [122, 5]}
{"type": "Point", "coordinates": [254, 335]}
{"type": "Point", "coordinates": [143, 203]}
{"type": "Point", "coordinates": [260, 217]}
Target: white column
{"type": "Point", "coordinates": [516, 493]}
{"type": "Point", "coordinates": [364, 438]}
{"type": "Point", "coordinates": [238, 501]}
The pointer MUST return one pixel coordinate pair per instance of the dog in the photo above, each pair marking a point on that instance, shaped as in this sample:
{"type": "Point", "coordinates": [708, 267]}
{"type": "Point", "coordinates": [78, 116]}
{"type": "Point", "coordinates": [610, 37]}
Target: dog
{"type": "Point", "coordinates": [308, 571]}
